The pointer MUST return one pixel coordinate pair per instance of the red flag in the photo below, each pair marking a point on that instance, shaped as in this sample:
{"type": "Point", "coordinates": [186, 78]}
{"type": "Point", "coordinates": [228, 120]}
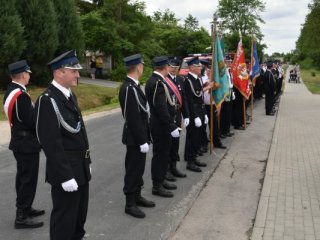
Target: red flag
{"type": "Point", "coordinates": [240, 72]}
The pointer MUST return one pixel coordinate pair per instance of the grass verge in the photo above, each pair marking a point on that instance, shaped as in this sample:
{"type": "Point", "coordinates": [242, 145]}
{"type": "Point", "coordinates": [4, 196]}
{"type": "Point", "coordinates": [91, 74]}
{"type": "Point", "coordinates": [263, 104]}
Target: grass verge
{"type": "Point", "coordinates": [91, 98]}
{"type": "Point", "coordinates": [311, 79]}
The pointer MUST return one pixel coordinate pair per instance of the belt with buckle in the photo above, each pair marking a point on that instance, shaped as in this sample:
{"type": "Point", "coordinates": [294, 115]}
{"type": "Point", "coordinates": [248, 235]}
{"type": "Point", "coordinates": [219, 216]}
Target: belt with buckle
{"type": "Point", "coordinates": [78, 153]}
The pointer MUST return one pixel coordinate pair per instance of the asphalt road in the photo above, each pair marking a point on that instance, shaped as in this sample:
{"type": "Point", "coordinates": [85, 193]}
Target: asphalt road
{"type": "Point", "coordinates": [106, 217]}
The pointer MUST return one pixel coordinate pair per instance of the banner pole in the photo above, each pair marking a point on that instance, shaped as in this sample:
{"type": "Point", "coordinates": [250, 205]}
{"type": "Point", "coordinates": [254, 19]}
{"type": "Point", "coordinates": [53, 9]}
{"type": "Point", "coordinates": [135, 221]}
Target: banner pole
{"type": "Point", "coordinates": [244, 112]}
{"type": "Point", "coordinates": [213, 36]}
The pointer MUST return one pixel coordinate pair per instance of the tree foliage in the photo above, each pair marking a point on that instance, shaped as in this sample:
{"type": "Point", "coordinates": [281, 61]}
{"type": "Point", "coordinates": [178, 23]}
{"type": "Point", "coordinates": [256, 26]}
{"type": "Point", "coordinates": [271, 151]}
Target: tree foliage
{"type": "Point", "coordinates": [11, 41]}
{"type": "Point", "coordinates": [69, 27]}
{"type": "Point", "coordinates": [309, 39]}
{"type": "Point", "coordinates": [243, 15]}
{"type": "Point", "coordinates": [191, 23]}
{"type": "Point", "coordinates": [39, 20]}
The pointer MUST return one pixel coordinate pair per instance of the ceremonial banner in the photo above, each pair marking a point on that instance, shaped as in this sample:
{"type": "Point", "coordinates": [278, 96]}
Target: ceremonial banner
{"type": "Point", "coordinates": [255, 66]}
{"type": "Point", "coordinates": [220, 75]}
{"type": "Point", "coordinates": [240, 73]}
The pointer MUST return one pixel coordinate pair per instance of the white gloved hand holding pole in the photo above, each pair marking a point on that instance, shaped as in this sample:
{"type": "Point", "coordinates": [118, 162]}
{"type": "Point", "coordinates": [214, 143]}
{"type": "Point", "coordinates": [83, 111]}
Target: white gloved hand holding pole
{"type": "Point", "coordinates": [197, 122]}
{"type": "Point", "coordinates": [70, 185]}
{"type": "Point", "coordinates": [206, 119]}
{"type": "Point", "coordinates": [186, 122]}
{"type": "Point", "coordinates": [144, 148]}
{"type": "Point", "coordinates": [176, 133]}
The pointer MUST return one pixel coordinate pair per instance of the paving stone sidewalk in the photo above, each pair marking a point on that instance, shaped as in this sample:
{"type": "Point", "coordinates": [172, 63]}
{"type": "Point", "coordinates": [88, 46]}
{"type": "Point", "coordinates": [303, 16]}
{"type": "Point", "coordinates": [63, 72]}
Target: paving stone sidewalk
{"type": "Point", "coordinates": [289, 203]}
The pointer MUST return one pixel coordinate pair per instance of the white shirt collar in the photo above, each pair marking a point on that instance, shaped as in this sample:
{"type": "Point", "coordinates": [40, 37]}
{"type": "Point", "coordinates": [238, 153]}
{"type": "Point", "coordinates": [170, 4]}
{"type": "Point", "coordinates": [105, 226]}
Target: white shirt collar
{"type": "Point", "coordinates": [24, 87]}
{"type": "Point", "coordinates": [135, 81]}
{"type": "Point", "coordinates": [172, 76]}
{"type": "Point", "coordinates": [159, 74]}
{"type": "Point", "coordinates": [194, 75]}
{"type": "Point", "coordinates": [64, 90]}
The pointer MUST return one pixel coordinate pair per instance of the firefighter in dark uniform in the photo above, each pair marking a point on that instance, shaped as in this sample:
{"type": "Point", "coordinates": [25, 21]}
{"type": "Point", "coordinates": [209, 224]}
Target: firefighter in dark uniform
{"type": "Point", "coordinates": [24, 144]}
{"type": "Point", "coordinates": [136, 135]}
{"type": "Point", "coordinates": [198, 116]}
{"type": "Point", "coordinates": [181, 110]}
{"type": "Point", "coordinates": [269, 88]}
{"type": "Point", "coordinates": [163, 109]}
{"type": "Point", "coordinates": [62, 135]}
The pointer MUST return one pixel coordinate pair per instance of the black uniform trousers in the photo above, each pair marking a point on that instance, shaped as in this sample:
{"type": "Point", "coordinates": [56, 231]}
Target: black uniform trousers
{"type": "Point", "coordinates": [237, 109]}
{"type": "Point", "coordinates": [135, 162]}
{"type": "Point", "coordinates": [193, 141]}
{"type": "Point", "coordinates": [216, 129]}
{"type": "Point", "coordinates": [26, 178]}
{"type": "Point", "coordinates": [269, 102]}
{"type": "Point", "coordinates": [161, 156]}
{"type": "Point", "coordinates": [225, 117]}
{"type": "Point", "coordinates": [69, 213]}
{"type": "Point", "coordinates": [175, 142]}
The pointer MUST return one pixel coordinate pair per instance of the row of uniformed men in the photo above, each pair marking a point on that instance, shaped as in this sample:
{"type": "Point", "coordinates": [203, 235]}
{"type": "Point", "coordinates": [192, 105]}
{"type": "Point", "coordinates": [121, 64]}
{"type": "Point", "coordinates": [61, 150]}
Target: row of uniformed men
{"type": "Point", "coordinates": [156, 116]}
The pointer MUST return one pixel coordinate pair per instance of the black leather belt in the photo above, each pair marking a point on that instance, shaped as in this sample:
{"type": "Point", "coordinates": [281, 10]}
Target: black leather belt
{"type": "Point", "coordinates": [78, 154]}
{"type": "Point", "coordinates": [198, 105]}
{"type": "Point", "coordinates": [23, 133]}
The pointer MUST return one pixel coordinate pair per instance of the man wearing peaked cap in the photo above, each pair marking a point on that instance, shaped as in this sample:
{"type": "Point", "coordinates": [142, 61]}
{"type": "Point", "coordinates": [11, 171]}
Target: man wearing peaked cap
{"type": "Point", "coordinates": [162, 108]}
{"type": "Point", "coordinates": [181, 110]}
{"type": "Point", "coordinates": [19, 109]}
{"type": "Point", "coordinates": [198, 117]}
{"type": "Point", "coordinates": [62, 134]}
{"type": "Point", "coordinates": [136, 135]}
{"type": "Point", "coordinates": [269, 83]}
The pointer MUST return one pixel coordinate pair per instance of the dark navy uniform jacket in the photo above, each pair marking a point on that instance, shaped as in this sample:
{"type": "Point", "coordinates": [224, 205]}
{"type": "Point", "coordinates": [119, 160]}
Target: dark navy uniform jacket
{"type": "Point", "coordinates": [162, 113]}
{"type": "Point", "coordinates": [184, 110]}
{"type": "Point", "coordinates": [65, 151]}
{"type": "Point", "coordinates": [136, 127]}
{"type": "Point", "coordinates": [23, 133]}
{"type": "Point", "coordinates": [195, 103]}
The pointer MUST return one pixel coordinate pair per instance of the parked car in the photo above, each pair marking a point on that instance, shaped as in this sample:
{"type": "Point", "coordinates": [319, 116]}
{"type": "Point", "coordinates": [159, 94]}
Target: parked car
{"type": "Point", "coordinates": [184, 66]}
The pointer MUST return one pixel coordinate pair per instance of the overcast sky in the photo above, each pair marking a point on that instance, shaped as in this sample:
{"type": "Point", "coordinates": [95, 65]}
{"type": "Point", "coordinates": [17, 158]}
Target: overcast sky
{"type": "Point", "coordinates": [283, 18]}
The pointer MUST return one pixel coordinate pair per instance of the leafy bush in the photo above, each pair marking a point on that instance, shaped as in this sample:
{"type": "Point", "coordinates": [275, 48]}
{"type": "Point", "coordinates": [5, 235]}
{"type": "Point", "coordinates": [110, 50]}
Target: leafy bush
{"type": "Point", "coordinates": [118, 74]}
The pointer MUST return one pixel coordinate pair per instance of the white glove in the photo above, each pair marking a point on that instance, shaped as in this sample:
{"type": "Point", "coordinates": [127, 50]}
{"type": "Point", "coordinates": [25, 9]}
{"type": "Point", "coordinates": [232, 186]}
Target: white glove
{"type": "Point", "coordinates": [186, 122]}
{"type": "Point", "coordinates": [206, 119]}
{"type": "Point", "coordinates": [70, 185]}
{"type": "Point", "coordinates": [176, 133]}
{"type": "Point", "coordinates": [144, 148]}
{"type": "Point", "coordinates": [90, 169]}
{"type": "Point", "coordinates": [233, 96]}
{"type": "Point", "coordinates": [197, 122]}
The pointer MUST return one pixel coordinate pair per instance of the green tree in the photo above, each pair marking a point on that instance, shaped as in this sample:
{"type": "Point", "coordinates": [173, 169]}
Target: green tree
{"type": "Point", "coordinates": [308, 41]}
{"type": "Point", "coordinates": [11, 41]}
{"type": "Point", "coordinates": [120, 28]}
{"type": "Point", "coordinates": [191, 23]}
{"type": "Point", "coordinates": [243, 15]}
{"type": "Point", "coordinates": [39, 18]}
{"type": "Point", "coordinates": [166, 18]}
{"type": "Point", "coordinates": [69, 27]}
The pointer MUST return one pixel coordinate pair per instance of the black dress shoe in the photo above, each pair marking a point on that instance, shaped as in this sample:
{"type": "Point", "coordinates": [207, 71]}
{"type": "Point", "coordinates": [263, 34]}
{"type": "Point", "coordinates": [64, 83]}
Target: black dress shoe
{"type": "Point", "coordinates": [239, 128]}
{"type": "Point", "coordinates": [175, 172]}
{"type": "Point", "coordinates": [200, 154]}
{"type": "Point", "coordinates": [35, 212]}
{"type": "Point", "coordinates": [204, 149]}
{"type": "Point", "coordinates": [160, 191]}
{"type": "Point", "coordinates": [142, 202]}
{"type": "Point", "coordinates": [134, 211]}
{"type": "Point", "coordinates": [26, 223]}
{"type": "Point", "coordinates": [270, 114]}
{"type": "Point", "coordinates": [200, 164]}
{"type": "Point", "coordinates": [169, 177]}
{"type": "Point", "coordinates": [192, 167]}
{"type": "Point", "coordinates": [169, 186]}
{"type": "Point", "coordinates": [229, 134]}
{"type": "Point", "coordinates": [223, 135]}
{"type": "Point", "coordinates": [220, 146]}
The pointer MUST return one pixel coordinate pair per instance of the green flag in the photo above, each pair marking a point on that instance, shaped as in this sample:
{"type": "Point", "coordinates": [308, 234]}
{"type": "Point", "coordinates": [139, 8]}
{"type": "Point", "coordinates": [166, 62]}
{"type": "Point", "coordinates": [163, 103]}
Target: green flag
{"type": "Point", "coordinates": [220, 75]}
